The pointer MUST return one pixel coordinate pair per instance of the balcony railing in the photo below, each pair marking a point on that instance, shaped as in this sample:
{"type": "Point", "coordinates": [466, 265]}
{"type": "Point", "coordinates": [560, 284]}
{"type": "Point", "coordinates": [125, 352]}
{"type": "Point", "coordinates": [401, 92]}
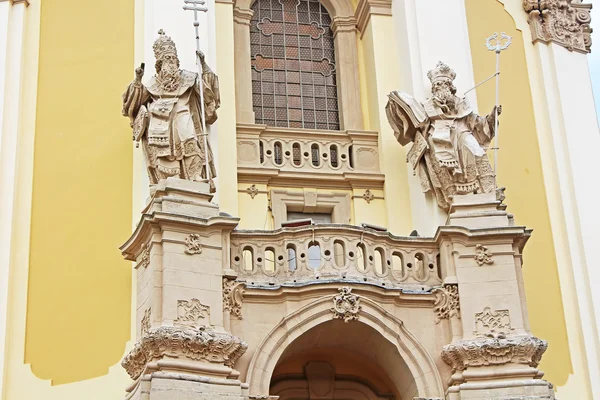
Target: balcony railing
{"type": "Point", "coordinates": [292, 153]}
{"type": "Point", "coordinates": [318, 253]}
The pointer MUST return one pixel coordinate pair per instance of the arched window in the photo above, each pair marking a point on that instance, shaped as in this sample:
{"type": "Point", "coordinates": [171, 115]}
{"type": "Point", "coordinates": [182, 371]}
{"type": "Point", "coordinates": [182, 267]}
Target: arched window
{"type": "Point", "coordinates": [293, 65]}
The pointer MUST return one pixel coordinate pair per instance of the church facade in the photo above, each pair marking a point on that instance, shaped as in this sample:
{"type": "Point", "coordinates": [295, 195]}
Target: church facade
{"type": "Point", "coordinates": [324, 203]}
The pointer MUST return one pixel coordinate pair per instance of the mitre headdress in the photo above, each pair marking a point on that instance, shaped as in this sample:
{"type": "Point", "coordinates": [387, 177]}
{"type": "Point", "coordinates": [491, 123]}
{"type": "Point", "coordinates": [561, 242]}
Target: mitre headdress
{"type": "Point", "coordinates": [163, 45]}
{"type": "Point", "coordinates": [441, 72]}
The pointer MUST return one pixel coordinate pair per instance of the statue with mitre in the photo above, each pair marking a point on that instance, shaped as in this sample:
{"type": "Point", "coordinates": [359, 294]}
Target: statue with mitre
{"type": "Point", "coordinates": [165, 115]}
{"type": "Point", "coordinates": [449, 139]}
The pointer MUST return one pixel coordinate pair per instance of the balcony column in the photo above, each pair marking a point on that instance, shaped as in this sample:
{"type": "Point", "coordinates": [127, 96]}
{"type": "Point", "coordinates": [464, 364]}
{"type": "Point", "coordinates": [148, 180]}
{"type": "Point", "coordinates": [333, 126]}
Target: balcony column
{"type": "Point", "coordinates": [181, 247]}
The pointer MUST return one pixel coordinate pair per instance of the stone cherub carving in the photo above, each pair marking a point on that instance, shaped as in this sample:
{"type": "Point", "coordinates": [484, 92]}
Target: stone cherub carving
{"type": "Point", "coordinates": [165, 115]}
{"type": "Point", "coordinates": [449, 139]}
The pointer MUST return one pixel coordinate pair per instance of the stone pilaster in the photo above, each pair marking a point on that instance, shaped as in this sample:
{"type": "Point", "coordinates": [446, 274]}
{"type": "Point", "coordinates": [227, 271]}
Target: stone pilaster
{"type": "Point", "coordinates": [181, 246]}
{"type": "Point", "coordinates": [483, 297]}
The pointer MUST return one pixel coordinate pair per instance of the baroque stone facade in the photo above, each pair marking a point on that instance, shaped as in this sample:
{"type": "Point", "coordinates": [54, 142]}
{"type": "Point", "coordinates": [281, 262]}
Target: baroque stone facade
{"type": "Point", "coordinates": [565, 22]}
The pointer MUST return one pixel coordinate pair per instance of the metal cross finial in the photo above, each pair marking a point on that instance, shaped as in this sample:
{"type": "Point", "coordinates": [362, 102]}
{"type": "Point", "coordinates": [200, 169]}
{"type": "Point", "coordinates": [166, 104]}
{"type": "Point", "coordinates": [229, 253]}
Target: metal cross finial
{"type": "Point", "coordinates": [195, 6]}
{"type": "Point", "coordinates": [497, 44]}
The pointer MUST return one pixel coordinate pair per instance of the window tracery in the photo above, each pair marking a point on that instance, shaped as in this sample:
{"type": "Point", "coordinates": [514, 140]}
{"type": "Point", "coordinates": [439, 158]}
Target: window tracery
{"type": "Point", "coordinates": [293, 65]}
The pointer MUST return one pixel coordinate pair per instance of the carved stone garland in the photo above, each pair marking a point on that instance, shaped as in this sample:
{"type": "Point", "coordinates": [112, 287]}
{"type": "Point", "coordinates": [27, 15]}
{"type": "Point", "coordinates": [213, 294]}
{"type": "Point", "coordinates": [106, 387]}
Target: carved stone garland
{"type": "Point", "coordinates": [494, 351]}
{"type": "Point", "coordinates": [178, 342]}
{"type": "Point", "coordinates": [346, 305]}
{"type": "Point", "coordinates": [565, 22]}
{"type": "Point", "coordinates": [446, 302]}
{"type": "Point", "coordinates": [233, 295]}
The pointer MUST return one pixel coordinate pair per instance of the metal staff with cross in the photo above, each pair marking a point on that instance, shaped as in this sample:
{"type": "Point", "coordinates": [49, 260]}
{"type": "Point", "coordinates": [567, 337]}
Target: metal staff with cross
{"type": "Point", "coordinates": [196, 6]}
{"type": "Point", "coordinates": [497, 44]}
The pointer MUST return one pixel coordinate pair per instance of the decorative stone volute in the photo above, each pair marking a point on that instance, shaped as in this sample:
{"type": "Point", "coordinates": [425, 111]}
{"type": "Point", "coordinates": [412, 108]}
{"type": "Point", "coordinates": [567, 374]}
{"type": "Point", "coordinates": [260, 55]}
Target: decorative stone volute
{"type": "Point", "coordinates": [564, 22]}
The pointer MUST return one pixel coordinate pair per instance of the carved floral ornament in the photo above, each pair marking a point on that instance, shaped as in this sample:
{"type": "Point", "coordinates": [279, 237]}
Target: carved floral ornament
{"type": "Point", "coordinates": [145, 327]}
{"type": "Point", "coordinates": [346, 305]}
{"type": "Point", "coordinates": [565, 22]}
{"type": "Point", "coordinates": [233, 295]}
{"type": "Point", "coordinates": [193, 344]}
{"type": "Point", "coordinates": [493, 323]}
{"type": "Point", "coordinates": [145, 257]}
{"type": "Point", "coordinates": [446, 302]}
{"type": "Point", "coordinates": [494, 351]}
{"type": "Point", "coordinates": [483, 255]}
{"type": "Point", "coordinates": [189, 313]}
{"type": "Point", "coordinates": [192, 244]}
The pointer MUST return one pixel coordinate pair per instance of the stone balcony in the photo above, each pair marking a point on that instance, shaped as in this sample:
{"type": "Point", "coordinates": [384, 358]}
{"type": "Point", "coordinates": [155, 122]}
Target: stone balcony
{"type": "Point", "coordinates": [336, 158]}
{"type": "Point", "coordinates": [334, 252]}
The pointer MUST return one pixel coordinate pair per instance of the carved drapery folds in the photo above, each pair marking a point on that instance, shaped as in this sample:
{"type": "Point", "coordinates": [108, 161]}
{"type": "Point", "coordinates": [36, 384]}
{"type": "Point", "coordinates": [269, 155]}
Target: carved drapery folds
{"type": "Point", "coordinates": [494, 351]}
{"type": "Point", "coordinates": [565, 22]}
{"type": "Point", "coordinates": [193, 344]}
{"type": "Point", "coordinates": [446, 302]}
{"type": "Point", "coordinates": [233, 296]}
{"type": "Point", "coordinates": [346, 305]}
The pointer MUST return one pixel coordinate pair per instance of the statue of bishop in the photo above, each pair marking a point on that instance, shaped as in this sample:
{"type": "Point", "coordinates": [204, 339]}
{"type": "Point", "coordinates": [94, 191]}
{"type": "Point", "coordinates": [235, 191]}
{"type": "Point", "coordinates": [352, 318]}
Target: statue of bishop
{"type": "Point", "coordinates": [449, 139]}
{"type": "Point", "coordinates": [165, 116]}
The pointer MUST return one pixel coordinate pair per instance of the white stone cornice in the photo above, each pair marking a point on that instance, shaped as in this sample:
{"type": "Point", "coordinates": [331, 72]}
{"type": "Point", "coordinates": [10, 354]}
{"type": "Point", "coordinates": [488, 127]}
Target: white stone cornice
{"type": "Point", "coordinates": [565, 22]}
{"type": "Point", "coordinates": [366, 8]}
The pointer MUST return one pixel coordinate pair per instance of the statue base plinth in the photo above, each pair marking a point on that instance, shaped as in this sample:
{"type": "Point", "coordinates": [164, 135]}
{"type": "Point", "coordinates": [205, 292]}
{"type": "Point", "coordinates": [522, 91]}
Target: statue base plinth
{"type": "Point", "coordinates": [178, 196]}
{"type": "Point", "coordinates": [477, 211]}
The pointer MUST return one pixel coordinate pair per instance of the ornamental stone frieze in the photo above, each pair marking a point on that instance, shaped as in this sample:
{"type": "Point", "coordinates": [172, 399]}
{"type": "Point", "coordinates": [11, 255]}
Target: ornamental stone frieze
{"type": "Point", "coordinates": [494, 351]}
{"type": "Point", "coordinates": [565, 22]}
{"type": "Point", "coordinates": [180, 342]}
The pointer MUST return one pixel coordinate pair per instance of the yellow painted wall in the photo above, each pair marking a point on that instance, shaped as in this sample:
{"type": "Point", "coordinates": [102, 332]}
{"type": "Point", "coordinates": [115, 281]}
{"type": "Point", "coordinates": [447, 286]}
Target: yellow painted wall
{"type": "Point", "coordinates": [79, 294]}
{"type": "Point", "coordinates": [520, 170]}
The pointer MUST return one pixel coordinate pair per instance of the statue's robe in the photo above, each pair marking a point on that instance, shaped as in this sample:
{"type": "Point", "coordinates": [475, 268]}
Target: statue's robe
{"type": "Point", "coordinates": [169, 126]}
{"type": "Point", "coordinates": [448, 149]}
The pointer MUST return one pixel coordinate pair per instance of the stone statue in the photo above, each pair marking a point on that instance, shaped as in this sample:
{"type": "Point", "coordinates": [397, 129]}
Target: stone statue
{"type": "Point", "coordinates": [165, 116]}
{"type": "Point", "coordinates": [449, 139]}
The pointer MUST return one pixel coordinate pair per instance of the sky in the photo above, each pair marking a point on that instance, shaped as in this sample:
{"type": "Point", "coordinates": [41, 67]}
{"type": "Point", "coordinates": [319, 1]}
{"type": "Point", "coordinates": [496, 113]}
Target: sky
{"type": "Point", "coordinates": [594, 56]}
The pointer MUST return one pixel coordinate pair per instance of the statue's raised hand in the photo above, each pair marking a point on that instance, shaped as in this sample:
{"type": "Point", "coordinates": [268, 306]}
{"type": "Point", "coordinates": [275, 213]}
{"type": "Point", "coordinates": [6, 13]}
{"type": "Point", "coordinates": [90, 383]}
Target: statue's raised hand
{"type": "Point", "coordinates": [498, 109]}
{"type": "Point", "coordinates": [200, 55]}
{"type": "Point", "coordinates": [139, 72]}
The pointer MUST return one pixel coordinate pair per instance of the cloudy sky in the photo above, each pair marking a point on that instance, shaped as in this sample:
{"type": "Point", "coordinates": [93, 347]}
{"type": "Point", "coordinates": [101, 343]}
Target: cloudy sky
{"type": "Point", "coordinates": [594, 56]}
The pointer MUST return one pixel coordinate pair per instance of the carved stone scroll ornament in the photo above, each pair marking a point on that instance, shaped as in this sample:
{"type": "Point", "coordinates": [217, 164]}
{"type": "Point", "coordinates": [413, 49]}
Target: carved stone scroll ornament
{"type": "Point", "coordinates": [346, 305]}
{"type": "Point", "coordinates": [192, 244]}
{"type": "Point", "coordinates": [189, 313]}
{"type": "Point", "coordinates": [446, 302]}
{"type": "Point", "coordinates": [233, 295]}
{"type": "Point", "coordinates": [494, 351]}
{"type": "Point", "coordinates": [145, 257]}
{"type": "Point", "coordinates": [493, 322]}
{"type": "Point", "coordinates": [193, 344]}
{"type": "Point", "coordinates": [565, 22]}
{"type": "Point", "coordinates": [483, 255]}
{"type": "Point", "coordinates": [145, 328]}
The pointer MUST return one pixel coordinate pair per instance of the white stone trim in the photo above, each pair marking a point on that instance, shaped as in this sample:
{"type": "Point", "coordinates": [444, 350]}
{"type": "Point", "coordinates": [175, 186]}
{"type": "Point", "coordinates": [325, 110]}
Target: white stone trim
{"type": "Point", "coordinates": [12, 24]}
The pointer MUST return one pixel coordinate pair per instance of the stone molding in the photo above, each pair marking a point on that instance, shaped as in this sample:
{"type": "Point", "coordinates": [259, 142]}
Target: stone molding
{"type": "Point", "coordinates": [366, 8]}
{"type": "Point", "coordinates": [343, 24]}
{"type": "Point", "coordinates": [242, 16]}
{"type": "Point", "coordinates": [446, 302]}
{"type": "Point", "coordinates": [13, 2]}
{"type": "Point", "coordinates": [346, 305]}
{"type": "Point", "coordinates": [494, 351]}
{"type": "Point", "coordinates": [233, 296]}
{"type": "Point", "coordinates": [564, 22]}
{"type": "Point", "coordinates": [189, 343]}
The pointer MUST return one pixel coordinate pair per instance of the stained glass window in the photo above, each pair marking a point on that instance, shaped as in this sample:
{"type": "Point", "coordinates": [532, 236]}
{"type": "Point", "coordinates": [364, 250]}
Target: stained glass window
{"type": "Point", "coordinates": [293, 65]}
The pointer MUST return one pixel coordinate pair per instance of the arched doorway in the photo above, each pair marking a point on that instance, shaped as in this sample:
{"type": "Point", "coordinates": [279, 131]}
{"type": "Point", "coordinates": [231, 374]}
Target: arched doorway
{"type": "Point", "coordinates": [346, 361]}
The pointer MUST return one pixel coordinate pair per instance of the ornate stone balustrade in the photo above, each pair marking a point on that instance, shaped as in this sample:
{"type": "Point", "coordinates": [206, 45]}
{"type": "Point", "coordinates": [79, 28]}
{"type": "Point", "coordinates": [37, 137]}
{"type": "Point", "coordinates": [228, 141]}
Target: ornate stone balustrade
{"type": "Point", "coordinates": [318, 253]}
{"type": "Point", "coordinates": [341, 158]}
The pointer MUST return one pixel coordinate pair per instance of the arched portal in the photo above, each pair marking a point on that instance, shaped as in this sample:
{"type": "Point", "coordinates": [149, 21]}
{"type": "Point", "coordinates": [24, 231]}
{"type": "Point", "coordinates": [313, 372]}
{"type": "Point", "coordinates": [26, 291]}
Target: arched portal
{"type": "Point", "coordinates": [343, 360]}
{"type": "Point", "coordinates": [378, 344]}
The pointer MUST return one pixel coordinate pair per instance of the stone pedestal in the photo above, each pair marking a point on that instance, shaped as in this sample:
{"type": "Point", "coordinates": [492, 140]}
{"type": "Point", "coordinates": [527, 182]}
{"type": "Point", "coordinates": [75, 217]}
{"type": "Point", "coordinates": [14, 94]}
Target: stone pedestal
{"type": "Point", "coordinates": [181, 247]}
{"type": "Point", "coordinates": [492, 354]}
